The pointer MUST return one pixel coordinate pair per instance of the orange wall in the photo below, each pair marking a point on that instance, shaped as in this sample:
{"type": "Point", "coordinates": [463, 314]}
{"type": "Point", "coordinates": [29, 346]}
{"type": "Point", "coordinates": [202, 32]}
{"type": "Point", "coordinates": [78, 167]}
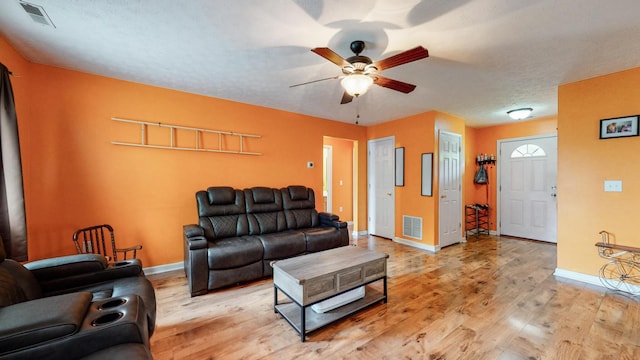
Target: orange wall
{"type": "Point", "coordinates": [342, 177]}
{"type": "Point", "coordinates": [418, 135]}
{"type": "Point", "coordinates": [585, 162]}
{"type": "Point", "coordinates": [485, 141]}
{"type": "Point", "coordinates": [75, 177]}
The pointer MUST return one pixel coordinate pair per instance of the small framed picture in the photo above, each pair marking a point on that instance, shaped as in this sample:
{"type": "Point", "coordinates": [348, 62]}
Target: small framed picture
{"type": "Point", "coordinates": [619, 127]}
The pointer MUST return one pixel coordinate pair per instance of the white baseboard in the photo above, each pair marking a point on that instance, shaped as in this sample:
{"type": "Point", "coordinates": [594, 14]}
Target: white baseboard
{"type": "Point", "coordinates": [567, 274]}
{"type": "Point", "coordinates": [430, 248]}
{"type": "Point", "coordinates": [360, 233]}
{"type": "Point", "coordinates": [163, 268]}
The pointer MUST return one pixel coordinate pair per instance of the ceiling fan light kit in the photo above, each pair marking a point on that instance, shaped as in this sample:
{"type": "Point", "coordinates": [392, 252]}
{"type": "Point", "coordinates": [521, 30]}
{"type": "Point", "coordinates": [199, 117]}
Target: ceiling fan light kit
{"type": "Point", "coordinates": [360, 72]}
{"type": "Point", "coordinates": [519, 114]}
{"type": "Point", "coordinates": [356, 84]}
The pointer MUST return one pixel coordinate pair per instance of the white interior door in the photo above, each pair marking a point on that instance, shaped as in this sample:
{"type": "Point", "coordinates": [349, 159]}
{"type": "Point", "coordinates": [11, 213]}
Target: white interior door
{"type": "Point", "coordinates": [528, 171]}
{"type": "Point", "coordinates": [450, 189]}
{"type": "Point", "coordinates": [381, 191]}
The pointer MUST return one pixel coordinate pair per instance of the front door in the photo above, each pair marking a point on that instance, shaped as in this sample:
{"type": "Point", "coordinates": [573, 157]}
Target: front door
{"type": "Point", "coordinates": [528, 177]}
{"type": "Point", "coordinates": [381, 187]}
{"type": "Point", "coordinates": [450, 190]}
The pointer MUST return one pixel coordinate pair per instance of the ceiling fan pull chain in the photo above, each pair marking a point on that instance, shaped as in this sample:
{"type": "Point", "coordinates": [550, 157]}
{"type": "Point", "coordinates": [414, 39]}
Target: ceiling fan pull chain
{"type": "Point", "coordinates": [357, 108]}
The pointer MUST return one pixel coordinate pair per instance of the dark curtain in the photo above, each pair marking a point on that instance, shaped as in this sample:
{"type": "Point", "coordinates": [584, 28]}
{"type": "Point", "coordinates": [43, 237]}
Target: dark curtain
{"type": "Point", "coordinates": [13, 226]}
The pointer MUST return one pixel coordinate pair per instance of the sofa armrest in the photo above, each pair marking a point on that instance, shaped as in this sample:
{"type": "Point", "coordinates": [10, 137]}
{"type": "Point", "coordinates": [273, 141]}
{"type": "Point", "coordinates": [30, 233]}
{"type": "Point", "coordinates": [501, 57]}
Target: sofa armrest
{"type": "Point", "coordinates": [328, 219]}
{"type": "Point", "coordinates": [29, 323]}
{"type": "Point", "coordinates": [196, 267]}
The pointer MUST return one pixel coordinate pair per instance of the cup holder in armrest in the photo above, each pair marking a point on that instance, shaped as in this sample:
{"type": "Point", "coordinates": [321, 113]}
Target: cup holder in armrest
{"type": "Point", "coordinates": [121, 263]}
{"type": "Point", "coordinates": [112, 303]}
{"type": "Point", "coordinates": [107, 318]}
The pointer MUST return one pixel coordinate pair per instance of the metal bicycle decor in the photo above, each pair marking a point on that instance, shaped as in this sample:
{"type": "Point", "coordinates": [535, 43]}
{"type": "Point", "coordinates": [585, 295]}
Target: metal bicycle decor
{"type": "Point", "coordinates": [622, 272]}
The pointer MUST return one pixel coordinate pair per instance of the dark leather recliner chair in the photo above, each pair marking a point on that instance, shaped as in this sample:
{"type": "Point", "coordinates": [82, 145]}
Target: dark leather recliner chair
{"type": "Point", "coordinates": [75, 307]}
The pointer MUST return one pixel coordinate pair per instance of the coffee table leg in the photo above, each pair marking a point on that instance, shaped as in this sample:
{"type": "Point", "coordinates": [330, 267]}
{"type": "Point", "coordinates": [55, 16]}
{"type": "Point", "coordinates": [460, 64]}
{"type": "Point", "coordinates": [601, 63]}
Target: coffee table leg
{"type": "Point", "coordinates": [303, 328]}
{"type": "Point", "coordinates": [275, 298]}
{"type": "Point", "coordinates": [385, 289]}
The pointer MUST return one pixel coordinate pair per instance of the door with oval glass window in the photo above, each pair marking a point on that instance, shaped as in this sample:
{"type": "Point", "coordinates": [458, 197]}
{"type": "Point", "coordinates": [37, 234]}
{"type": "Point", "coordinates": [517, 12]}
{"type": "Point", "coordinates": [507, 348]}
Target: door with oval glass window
{"type": "Point", "coordinates": [528, 172]}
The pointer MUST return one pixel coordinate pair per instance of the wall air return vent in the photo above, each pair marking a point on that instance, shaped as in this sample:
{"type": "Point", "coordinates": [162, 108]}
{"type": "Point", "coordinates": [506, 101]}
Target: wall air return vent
{"type": "Point", "coordinates": [37, 13]}
{"type": "Point", "coordinates": [412, 227]}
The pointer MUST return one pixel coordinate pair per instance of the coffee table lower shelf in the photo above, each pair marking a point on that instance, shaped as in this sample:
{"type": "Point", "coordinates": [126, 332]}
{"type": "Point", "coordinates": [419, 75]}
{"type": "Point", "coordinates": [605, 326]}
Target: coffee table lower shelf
{"type": "Point", "coordinates": [292, 312]}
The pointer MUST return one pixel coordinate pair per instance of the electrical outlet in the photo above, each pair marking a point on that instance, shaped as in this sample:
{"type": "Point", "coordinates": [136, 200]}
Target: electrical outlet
{"type": "Point", "coordinates": [613, 185]}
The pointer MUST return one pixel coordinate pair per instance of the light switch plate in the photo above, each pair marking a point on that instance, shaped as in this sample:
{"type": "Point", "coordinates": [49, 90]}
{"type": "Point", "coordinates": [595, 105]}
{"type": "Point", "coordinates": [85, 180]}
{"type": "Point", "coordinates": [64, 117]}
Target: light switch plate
{"type": "Point", "coordinates": [613, 185]}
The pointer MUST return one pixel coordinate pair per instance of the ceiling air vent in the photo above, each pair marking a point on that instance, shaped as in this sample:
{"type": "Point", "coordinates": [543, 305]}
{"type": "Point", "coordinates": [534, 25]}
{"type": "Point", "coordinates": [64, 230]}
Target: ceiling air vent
{"type": "Point", "coordinates": [37, 13]}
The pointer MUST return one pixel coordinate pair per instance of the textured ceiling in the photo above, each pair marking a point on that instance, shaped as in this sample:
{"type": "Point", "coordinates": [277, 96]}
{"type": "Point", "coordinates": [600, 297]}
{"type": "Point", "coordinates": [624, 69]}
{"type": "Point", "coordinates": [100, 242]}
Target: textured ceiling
{"type": "Point", "coordinates": [486, 56]}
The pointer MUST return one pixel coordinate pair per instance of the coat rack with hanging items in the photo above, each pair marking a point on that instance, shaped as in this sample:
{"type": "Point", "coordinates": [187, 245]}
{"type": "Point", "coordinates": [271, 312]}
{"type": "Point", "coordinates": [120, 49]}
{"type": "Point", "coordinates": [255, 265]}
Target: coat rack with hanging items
{"type": "Point", "coordinates": [477, 215]}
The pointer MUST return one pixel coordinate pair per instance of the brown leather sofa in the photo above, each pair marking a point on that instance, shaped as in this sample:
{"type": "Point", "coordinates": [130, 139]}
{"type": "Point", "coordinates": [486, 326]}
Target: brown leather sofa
{"type": "Point", "coordinates": [75, 307]}
{"type": "Point", "coordinates": [240, 232]}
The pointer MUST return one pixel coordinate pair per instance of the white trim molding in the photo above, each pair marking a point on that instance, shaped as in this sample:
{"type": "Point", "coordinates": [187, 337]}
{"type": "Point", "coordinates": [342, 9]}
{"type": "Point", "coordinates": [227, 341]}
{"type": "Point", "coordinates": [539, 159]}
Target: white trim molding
{"type": "Point", "coordinates": [163, 268]}
{"type": "Point", "coordinates": [589, 279]}
{"type": "Point", "coordinates": [430, 248]}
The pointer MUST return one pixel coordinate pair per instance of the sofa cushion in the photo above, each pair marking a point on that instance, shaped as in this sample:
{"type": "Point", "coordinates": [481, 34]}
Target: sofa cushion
{"type": "Point", "coordinates": [29, 285]}
{"type": "Point", "coordinates": [220, 201]}
{"type": "Point", "coordinates": [10, 292]}
{"type": "Point", "coordinates": [299, 207]}
{"type": "Point", "coordinates": [233, 252]}
{"type": "Point", "coordinates": [221, 212]}
{"type": "Point", "coordinates": [322, 238]}
{"type": "Point", "coordinates": [264, 210]}
{"type": "Point", "coordinates": [283, 244]}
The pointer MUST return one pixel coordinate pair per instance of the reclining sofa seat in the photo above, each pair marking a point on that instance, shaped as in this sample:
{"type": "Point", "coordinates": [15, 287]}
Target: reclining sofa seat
{"type": "Point", "coordinates": [44, 310]}
{"type": "Point", "coordinates": [300, 212]}
{"type": "Point", "coordinates": [231, 255]}
{"type": "Point", "coordinates": [267, 221]}
{"type": "Point", "coordinates": [241, 232]}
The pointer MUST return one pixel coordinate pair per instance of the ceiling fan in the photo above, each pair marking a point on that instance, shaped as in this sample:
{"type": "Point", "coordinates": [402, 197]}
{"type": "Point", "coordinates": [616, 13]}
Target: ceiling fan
{"type": "Point", "coordinates": [360, 72]}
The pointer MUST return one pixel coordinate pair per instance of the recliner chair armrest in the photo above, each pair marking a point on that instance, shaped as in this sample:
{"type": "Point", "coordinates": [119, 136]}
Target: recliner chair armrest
{"type": "Point", "coordinates": [65, 266]}
{"type": "Point", "coordinates": [29, 323]}
{"type": "Point", "coordinates": [328, 219]}
{"type": "Point", "coordinates": [56, 275]}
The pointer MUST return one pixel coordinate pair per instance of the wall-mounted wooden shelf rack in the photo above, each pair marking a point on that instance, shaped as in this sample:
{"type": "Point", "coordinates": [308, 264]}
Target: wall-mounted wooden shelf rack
{"type": "Point", "coordinates": [197, 133]}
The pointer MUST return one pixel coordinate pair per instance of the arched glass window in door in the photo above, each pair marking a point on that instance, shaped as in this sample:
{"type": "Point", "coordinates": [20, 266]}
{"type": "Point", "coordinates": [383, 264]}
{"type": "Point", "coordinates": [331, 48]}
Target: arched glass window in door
{"type": "Point", "coordinates": [528, 150]}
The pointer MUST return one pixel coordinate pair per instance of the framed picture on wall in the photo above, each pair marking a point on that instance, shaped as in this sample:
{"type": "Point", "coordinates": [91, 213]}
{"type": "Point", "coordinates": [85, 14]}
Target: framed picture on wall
{"type": "Point", "coordinates": [427, 173]}
{"type": "Point", "coordinates": [400, 166]}
{"type": "Point", "coordinates": [619, 127]}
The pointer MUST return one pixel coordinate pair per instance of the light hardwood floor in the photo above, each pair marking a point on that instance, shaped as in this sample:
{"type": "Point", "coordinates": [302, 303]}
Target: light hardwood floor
{"type": "Point", "coordinates": [492, 298]}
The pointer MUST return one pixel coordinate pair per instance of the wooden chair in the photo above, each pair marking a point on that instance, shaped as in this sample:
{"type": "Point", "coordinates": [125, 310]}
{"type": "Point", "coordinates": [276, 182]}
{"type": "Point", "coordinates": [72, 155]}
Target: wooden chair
{"type": "Point", "coordinates": [92, 240]}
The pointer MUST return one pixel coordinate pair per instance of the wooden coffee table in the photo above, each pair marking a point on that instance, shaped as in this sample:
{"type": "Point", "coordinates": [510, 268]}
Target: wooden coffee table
{"type": "Point", "coordinates": [312, 278]}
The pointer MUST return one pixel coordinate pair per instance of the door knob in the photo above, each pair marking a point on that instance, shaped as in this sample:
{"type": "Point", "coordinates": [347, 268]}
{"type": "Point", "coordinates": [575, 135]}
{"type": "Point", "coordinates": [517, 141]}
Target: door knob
{"type": "Point", "coordinates": [443, 197]}
{"type": "Point", "coordinates": [389, 193]}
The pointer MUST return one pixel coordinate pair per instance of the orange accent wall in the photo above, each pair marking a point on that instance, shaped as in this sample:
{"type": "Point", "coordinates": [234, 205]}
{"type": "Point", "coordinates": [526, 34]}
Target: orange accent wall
{"type": "Point", "coordinates": [342, 177]}
{"type": "Point", "coordinates": [418, 135]}
{"type": "Point", "coordinates": [585, 161]}
{"type": "Point", "coordinates": [485, 141]}
{"type": "Point", "coordinates": [75, 177]}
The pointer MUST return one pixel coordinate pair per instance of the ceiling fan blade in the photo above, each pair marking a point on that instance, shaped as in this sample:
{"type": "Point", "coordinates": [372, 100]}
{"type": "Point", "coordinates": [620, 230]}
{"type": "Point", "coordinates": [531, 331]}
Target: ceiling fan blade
{"type": "Point", "coordinates": [314, 81]}
{"type": "Point", "coordinates": [408, 56]}
{"type": "Point", "coordinates": [346, 98]}
{"type": "Point", "coordinates": [331, 56]}
{"type": "Point", "coordinates": [393, 84]}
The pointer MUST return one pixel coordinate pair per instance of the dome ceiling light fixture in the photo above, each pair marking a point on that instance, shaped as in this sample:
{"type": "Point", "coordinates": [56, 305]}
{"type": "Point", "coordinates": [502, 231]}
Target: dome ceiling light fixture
{"type": "Point", "coordinates": [519, 114]}
{"type": "Point", "coordinates": [356, 84]}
